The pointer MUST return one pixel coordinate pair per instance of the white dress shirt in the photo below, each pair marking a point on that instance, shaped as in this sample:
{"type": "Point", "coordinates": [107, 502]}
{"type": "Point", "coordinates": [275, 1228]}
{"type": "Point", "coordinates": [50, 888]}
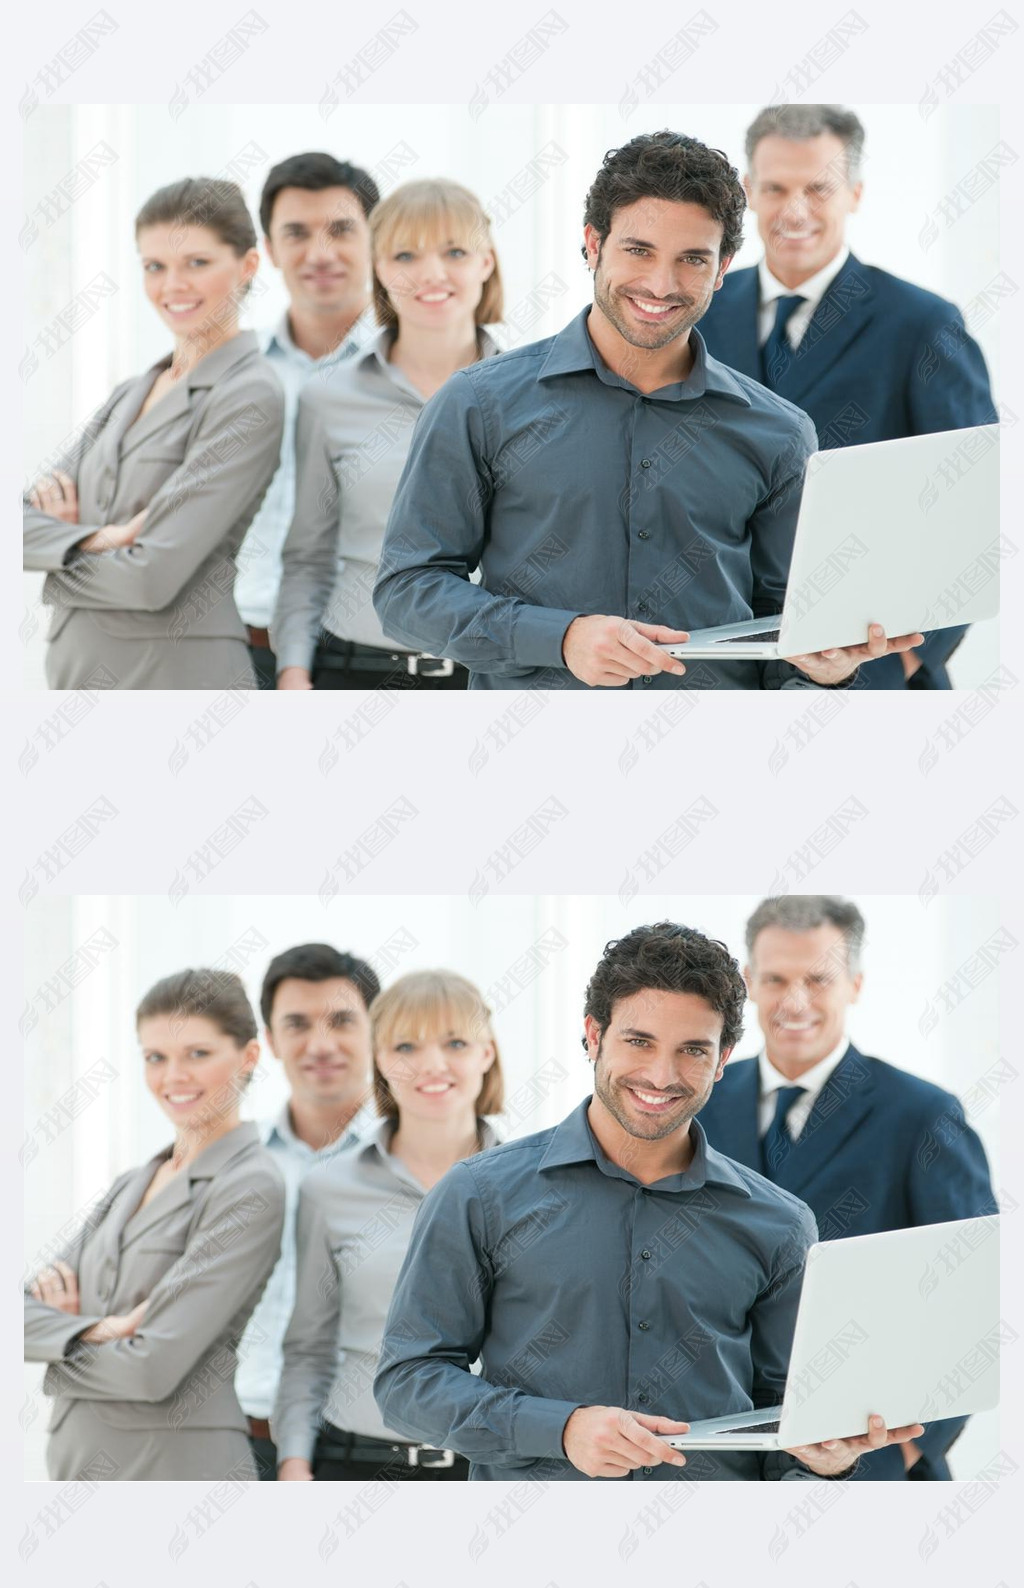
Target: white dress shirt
{"type": "Point", "coordinates": [812, 1080]}
{"type": "Point", "coordinates": [813, 289]}
{"type": "Point", "coordinates": [259, 557]}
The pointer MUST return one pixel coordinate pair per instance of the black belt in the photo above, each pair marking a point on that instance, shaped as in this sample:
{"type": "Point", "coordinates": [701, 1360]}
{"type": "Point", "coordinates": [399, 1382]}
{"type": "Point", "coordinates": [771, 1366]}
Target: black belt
{"type": "Point", "coordinates": [338, 1445]}
{"type": "Point", "coordinates": [348, 654]}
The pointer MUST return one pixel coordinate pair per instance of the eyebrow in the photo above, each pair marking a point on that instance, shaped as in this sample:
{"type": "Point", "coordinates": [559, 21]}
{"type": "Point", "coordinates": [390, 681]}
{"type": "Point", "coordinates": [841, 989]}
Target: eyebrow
{"type": "Point", "coordinates": [640, 242]}
{"type": "Point", "coordinates": [687, 1042]}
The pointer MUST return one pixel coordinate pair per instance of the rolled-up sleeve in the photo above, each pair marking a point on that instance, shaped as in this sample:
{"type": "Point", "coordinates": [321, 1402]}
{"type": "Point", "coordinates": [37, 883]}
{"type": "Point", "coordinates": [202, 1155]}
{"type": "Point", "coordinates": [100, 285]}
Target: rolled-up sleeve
{"type": "Point", "coordinates": [435, 1331]}
{"type": "Point", "coordinates": [221, 482]}
{"type": "Point", "coordinates": [309, 558]}
{"type": "Point", "coordinates": [435, 538]}
{"type": "Point", "coordinates": [311, 1341]}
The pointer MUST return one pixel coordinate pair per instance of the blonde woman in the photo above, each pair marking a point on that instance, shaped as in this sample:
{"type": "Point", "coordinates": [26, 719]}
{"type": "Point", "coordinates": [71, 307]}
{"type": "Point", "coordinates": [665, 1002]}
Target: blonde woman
{"type": "Point", "coordinates": [436, 285]}
{"type": "Point", "coordinates": [437, 1074]}
{"type": "Point", "coordinates": [140, 1315]}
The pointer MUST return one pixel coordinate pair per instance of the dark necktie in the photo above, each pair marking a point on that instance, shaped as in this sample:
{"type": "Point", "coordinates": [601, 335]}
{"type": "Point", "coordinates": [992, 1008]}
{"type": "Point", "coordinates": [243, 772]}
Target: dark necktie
{"type": "Point", "coordinates": [776, 1143]}
{"type": "Point", "coordinates": [777, 355]}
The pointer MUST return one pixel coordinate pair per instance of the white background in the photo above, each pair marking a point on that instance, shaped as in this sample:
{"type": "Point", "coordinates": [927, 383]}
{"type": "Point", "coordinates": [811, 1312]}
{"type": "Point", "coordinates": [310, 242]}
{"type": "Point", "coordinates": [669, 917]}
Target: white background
{"type": "Point", "coordinates": [538, 236]}
{"type": "Point", "coordinates": [920, 787]}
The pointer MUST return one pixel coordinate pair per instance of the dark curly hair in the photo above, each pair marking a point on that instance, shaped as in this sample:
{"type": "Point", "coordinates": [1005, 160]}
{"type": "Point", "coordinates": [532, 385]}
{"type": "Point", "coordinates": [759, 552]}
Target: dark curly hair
{"type": "Point", "coordinates": [667, 957]}
{"type": "Point", "coordinates": [668, 165]}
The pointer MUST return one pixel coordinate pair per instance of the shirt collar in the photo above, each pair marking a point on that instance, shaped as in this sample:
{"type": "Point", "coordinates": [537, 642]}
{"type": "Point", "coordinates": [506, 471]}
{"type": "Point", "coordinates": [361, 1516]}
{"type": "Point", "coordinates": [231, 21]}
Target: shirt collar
{"type": "Point", "coordinates": [213, 1158]}
{"type": "Point", "coordinates": [280, 337]}
{"type": "Point", "coordinates": [280, 1129]}
{"type": "Point", "coordinates": [812, 1080]}
{"type": "Point", "coordinates": [376, 1141]}
{"type": "Point", "coordinates": [813, 289]}
{"type": "Point", "coordinates": [572, 350]}
{"type": "Point", "coordinates": [573, 1141]}
{"type": "Point", "coordinates": [376, 348]}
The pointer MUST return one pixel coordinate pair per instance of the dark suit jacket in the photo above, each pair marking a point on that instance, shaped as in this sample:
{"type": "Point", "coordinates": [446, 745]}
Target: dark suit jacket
{"type": "Point", "coordinates": [881, 1150]}
{"type": "Point", "coordinates": [880, 359]}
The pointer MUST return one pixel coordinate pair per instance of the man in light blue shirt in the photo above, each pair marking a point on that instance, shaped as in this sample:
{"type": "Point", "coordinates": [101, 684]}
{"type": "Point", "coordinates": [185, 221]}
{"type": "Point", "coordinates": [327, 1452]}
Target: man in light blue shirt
{"type": "Point", "coordinates": [615, 1274]}
{"type": "Point", "coordinates": [314, 1003]}
{"type": "Point", "coordinates": [314, 212]}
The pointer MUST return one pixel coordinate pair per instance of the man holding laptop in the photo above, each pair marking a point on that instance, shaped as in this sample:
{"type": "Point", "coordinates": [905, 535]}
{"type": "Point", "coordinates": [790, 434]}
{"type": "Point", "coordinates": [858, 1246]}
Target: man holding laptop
{"type": "Point", "coordinates": [615, 1258]}
{"type": "Point", "coordinates": [615, 485]}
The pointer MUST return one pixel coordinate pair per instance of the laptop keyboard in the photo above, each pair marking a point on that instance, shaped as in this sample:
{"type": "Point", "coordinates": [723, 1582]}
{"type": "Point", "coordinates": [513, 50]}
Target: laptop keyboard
{"type": "Point", "coordinates": [751, 639]}
{"type": "Point", "coordinates": [756, 1428]}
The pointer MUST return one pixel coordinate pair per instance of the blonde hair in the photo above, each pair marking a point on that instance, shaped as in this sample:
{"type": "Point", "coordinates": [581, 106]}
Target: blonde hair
{"type": "Point", "coordinates": [429, 1003]}
{"type": "Point", "coordinates": [434, 211]}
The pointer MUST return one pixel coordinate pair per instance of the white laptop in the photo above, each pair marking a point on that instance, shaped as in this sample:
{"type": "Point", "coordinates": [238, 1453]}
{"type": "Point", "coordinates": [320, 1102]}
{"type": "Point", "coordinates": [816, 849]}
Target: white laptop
{"type": "Point", "coordinates": [905, 1324]}
{"type": "Point", "coordinates": [903, 533]}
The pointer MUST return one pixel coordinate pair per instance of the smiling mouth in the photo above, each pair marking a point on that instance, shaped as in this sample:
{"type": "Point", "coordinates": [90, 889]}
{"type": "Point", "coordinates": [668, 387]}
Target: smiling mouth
{"type": "Point", "coordinates": [182, 1099]}
{"type": "Point", "coordinates": [435, 1088]}
{"type": "Point", "coordinates": [182, 308]}
{"type": "Point", "coordinates": [654, 1102]}
{"type": "Point", "coordinates": [648, 309]}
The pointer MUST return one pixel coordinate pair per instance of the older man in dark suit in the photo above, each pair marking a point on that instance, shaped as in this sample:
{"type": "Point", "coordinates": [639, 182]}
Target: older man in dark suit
{"type": "Point", "coordinates": [867, 1146]}
{"type": "Point", "coordinates": [868, 356]}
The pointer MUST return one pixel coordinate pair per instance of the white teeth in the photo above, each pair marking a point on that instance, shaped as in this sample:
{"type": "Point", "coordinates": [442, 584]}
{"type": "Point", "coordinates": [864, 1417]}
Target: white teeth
{"type": "Point", "coordinates": [434, 297]}
{"type": "Point", "coordinates": [654, 308]}
{"type": "Point", "coordinates": [189, 1098]}
{"type": "Point", "coordinates": [445, 1087]}
{"type": "Point", "coordinates": [647, 1097]}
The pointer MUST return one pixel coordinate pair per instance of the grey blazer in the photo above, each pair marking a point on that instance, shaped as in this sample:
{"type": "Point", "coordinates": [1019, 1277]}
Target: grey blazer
{"type": "Point", "coordinates": [160, 614]}
{"type": "Point", "coordinates": [162, 1404]}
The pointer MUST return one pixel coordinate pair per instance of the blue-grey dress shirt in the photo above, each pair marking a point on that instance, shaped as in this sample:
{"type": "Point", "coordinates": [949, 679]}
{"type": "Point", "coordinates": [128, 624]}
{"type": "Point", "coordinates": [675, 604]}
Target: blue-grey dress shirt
{"type": "Point", "coordinates": [576, 1285]}
{"type": "Point", "coordinates": [575, 493]}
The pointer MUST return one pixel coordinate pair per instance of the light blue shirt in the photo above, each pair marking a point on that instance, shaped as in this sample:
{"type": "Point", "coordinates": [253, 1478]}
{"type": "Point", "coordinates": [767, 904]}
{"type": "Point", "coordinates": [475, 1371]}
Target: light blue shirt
{"type": "Point", "coordinates": [259, 557]}
{"type": "Point", "coordinates": [259, 1350]}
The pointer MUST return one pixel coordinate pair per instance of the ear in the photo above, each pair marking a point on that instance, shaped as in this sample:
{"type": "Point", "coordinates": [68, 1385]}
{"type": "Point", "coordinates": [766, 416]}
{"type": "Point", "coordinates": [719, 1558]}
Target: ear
{"type": "Point", "coordinates": [723, 266]}
{"type": "Point", "coordinates": [269, 247]}
{"type": "Point", "coordinates": [724, 1057]}
{"type": "Point", "coordinates": [488, 264]}
{"type": "Point", "coordinates": [748, 977]}
{"type": "Point", "coordinates": [250, 1056]}
{"type": "Point", "coordinates": [856, 191]}
{"type": "Point", "coordinates": [858, 982]}
{"type": "Point", "coordinates": [748, 188]}
{"type": "Point", "coordinates": [250, 264]}
{"type": "Point", "coordinates": [593, 1035]}
{"type": "Point", "coordinates": [489, 1055]}
{"type": "Point", "coordinates": [592, 240]}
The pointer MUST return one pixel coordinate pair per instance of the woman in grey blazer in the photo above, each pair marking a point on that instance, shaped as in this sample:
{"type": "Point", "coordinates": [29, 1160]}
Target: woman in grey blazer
{"type": "Point", "coordinates": [138, 522]}
{"type": "Point", "coordinates": [140, 1315]}
{"type": "Point", "coordinates": [436, 1074]}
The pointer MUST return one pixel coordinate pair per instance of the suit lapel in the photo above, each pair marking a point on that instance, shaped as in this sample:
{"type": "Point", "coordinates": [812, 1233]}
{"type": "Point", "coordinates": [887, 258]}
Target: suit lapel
{"type": "Point", "coordinates": [736, 1132]}
{"type": "Point", "coordinates": [840, 317]}
{"type": "Point", "coordinates": [175, 1194]}
{"type": "Point", "coordinates": [736, 324]}
{"type": "Point", "coordinates": [843, 1103]}
{"type": "Point", "coordinates": [171, 406]}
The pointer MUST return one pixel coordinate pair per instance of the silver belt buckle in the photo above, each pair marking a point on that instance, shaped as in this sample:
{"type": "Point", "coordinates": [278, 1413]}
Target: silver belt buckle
{"type": "Point", "coordinates": [447, 1456]}
{"type": "Point", "coordinates": [445, 670]}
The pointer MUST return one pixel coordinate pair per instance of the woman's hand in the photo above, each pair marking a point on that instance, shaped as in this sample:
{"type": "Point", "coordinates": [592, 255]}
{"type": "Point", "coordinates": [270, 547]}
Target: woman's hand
{"type": "Point", "coordinates": [115, 1327]}
{"type": "Point", "coordinates": [57, 1287]}
{"type": "Point", "coordinates": [294, 1470]}
{"type": "Point", "coordinates": [113, 536]}
{"type": "Point", "coordinates": [57, 495]}
{"type": "Point", "coordinates": [294, 678]}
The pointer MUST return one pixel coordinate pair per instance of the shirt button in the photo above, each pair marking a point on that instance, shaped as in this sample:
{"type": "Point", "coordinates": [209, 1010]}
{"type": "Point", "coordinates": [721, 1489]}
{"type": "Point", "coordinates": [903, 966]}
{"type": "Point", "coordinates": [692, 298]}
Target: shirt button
{"type": "Point", "coordinates": [645, 1254]}
{"type": "Point", "coordinates": [644, 1325]}
{"type": "Point", "coordinates": [642, 1400]}
{"type": "Point", "coordinates": [647, 1471]}
{"type": "Point", "coordinates": [643, 534]}
{"type": "Point", "coordinates": [647, 679]}
{"type": "Point", "coordinates": [645, 463]}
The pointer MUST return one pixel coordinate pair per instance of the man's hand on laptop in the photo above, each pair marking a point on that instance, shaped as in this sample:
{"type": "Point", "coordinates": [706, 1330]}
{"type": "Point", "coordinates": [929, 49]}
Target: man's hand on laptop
{"type": "Point", "coordinates": [609, 1442]}
{"type": "Point", "coordinates": [609, 651]}
{"type": "Point", "coordinates": [834, 1456]}
{"type": "Point", "coordinates": [831, 667]}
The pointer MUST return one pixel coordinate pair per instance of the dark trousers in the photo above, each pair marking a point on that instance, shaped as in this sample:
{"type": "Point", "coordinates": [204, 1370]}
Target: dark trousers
{"type": "Point", "coordinates": [327, 674]}
{"type": "Point", "coordinates": [265, 1453]}
{"type": "Point", "coordinates": [329, 1466]}
{"type": "Point", "coordinates": [265, 663]}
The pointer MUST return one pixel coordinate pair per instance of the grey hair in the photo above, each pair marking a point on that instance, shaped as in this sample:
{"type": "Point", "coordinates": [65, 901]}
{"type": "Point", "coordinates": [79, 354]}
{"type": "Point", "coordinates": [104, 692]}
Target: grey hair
{"type": "Point", "coordinates": [809, 121]}
{"type": "Point", "coordinates": [802, 912]}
